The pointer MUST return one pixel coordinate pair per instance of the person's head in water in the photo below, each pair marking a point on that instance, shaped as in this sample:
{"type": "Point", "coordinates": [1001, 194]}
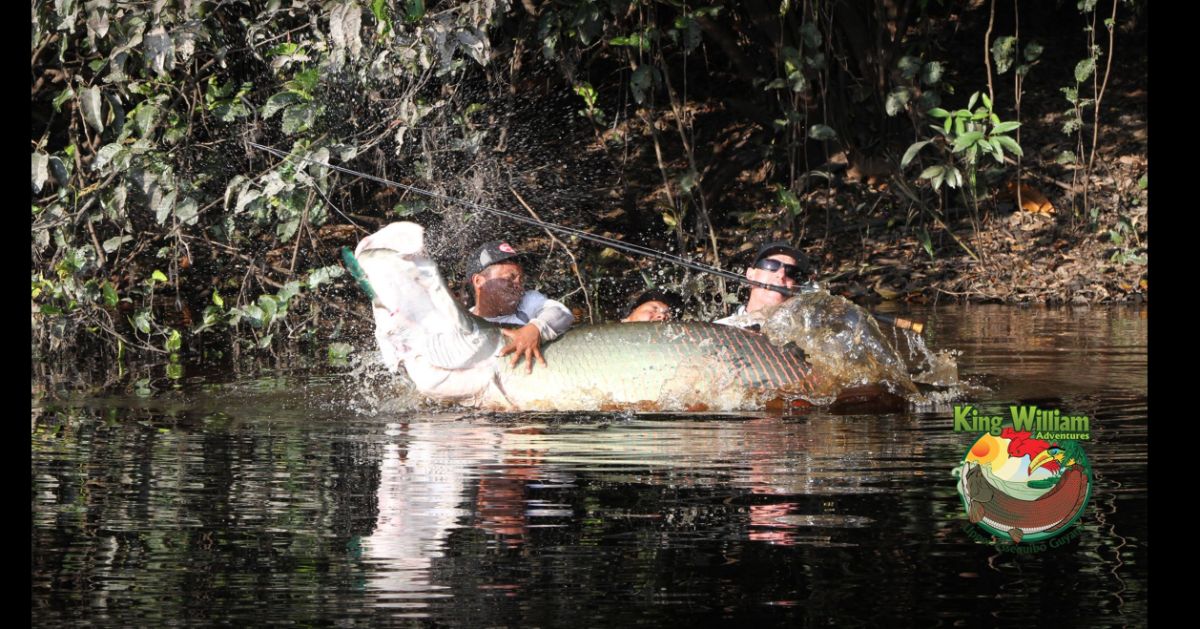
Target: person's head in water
{"type": "Point", "coordinates": [777, 264]}
{"type": "Point", "coordinates": [653, 305]}
{"type": "Point", "coordinates": [497, 279]}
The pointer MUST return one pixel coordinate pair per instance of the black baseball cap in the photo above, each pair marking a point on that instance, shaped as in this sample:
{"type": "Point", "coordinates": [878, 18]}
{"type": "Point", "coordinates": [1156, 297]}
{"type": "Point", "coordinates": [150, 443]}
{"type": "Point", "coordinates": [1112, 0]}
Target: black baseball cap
{"type": "Point", "coordinates": [782, 246]}
{"type": "Point", "coordinates": [491, 253]}
{"type": "Point", "coordinates": [670, 299]}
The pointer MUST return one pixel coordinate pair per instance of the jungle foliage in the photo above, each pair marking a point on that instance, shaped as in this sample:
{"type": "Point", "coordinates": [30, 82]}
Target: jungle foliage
{"type": "Point", "coordinates": [156, 227]}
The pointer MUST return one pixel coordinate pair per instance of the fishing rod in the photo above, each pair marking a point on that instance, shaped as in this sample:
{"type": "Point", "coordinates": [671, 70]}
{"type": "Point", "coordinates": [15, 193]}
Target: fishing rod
{"type": "Point", "coordinates": [571, 231]}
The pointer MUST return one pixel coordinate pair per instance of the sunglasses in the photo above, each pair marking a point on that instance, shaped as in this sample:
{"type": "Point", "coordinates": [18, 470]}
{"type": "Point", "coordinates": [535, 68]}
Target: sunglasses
{"type": "Point", "coordinates": [790, 270]}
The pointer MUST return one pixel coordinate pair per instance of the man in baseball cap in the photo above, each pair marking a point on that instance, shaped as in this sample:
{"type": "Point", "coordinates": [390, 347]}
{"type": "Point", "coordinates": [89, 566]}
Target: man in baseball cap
{"type": "Point", "coordinates": [654, 305]}
{"type": "Point", "coordinates": [496, 279]}
{"type": "Point", "coordinates": [777, 263]}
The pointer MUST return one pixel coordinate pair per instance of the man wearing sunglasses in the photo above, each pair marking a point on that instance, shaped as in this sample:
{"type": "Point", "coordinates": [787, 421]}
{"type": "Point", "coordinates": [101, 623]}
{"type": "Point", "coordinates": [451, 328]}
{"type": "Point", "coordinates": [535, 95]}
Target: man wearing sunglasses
{"type": "Point", "coordinates": [497, 282]}
{"type": "Point", "coordinates": [776, 264]}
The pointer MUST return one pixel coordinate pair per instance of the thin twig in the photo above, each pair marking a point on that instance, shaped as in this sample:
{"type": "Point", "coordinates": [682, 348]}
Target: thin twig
{"type": "Point", "coordinates": [1100, 92]}
{"type": "Point", "coordinates": [987, 60]}
{"type": "Point", "coordinates": [574, 264]}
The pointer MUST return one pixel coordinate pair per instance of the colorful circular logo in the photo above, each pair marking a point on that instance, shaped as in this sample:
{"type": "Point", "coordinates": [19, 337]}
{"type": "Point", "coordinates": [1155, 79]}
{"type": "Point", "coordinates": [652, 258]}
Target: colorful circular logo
{"type": "Point", "coordinates": [1023, 489]}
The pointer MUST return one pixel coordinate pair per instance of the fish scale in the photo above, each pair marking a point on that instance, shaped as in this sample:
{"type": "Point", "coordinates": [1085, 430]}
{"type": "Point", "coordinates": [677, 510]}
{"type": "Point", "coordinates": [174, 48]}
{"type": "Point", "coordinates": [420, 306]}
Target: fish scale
{"type": "Point", "coordinates": [657, 365]}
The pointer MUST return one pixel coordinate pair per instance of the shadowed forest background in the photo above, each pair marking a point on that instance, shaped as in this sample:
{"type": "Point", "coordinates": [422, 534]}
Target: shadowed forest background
{"type": "Point", "coordinates": [919, 151]}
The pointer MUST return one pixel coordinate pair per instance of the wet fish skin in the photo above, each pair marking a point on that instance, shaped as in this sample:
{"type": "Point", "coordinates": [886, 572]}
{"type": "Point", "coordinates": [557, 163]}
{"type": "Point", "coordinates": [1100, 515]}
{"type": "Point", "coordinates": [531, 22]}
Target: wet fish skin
{"type": "Point", "coordinates": [658, 366]}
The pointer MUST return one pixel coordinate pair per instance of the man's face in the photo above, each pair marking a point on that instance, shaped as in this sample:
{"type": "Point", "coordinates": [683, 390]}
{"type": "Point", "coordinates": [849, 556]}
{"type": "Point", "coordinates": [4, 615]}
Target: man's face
{"type": "Point", "coordinates": [777, 277]}
{"type": "Point", "coordinates": [650, 311]}
{"type": "Point", "coordinates": [500, 285]}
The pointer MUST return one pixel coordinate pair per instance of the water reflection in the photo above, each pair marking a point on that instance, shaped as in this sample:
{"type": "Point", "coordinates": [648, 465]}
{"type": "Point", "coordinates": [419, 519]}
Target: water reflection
{"type": "Point", "coordinates": [276, 501]}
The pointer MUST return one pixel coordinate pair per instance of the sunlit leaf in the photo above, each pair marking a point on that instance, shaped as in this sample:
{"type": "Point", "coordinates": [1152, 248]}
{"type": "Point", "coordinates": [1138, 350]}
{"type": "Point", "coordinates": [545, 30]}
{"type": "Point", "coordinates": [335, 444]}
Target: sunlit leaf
{"type": "Point", "coordinates": [40, 164]}
{"type": "Point", "coordinates": [113, 243]}
{"type": "Point", "coordinates": [931, 73]}
{"type": "Point", "coordinates": [822, 132]}
{"type": "Point", "coordinates": [1004, 51]}
{"type": "Point", "coordinates": [89, 103]}
{"type": "Point", "coordinates": [1084, 69]}
{"type": "Point", "coordinates": [912, 152]}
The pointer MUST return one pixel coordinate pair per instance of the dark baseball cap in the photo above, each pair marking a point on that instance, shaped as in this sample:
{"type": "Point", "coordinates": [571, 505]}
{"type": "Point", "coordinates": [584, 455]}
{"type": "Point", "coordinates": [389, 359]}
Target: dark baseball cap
{"type": "Point", "coordinates": [670, 299]}
{"type": "Point", "coordinates": [782, 246]}
{"type": "Point", "coordinates": [491, 253]}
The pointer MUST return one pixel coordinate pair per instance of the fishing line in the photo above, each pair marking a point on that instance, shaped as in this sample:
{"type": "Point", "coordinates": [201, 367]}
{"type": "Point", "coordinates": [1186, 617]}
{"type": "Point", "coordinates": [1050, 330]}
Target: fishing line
{"type": "Point", "coordinates": [571, 231]}
{"type": "Point", "coordinates": [616, 244]}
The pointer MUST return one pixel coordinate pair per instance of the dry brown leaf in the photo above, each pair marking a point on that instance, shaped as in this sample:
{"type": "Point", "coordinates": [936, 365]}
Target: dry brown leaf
{"type": "Point", "coordinates": [1032, 200]}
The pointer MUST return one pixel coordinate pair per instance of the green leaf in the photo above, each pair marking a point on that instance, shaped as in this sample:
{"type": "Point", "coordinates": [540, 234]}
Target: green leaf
{"type": "Point", "coordinates": [174, 342]}
{"type": "Point", "coordinates": [278, 101]}
{"type": "Point", "coordinates": [253, 313]}
{"type": "Point", "coordinates": [1084, 69]}
{"type": "Point", "coordinates": [1065, 157]}
{"type": "Point", "coordinates": [966, 140]}
{"type": "Point", "coordinates": [379, 8]}
{"type": "Point", "coordinates": [1033, 50]}
{"type": "Point", "coordinates": [285, 294]}
{"type": "Point", "coordinates": [931, 172]}
{"type": "Point", "coordinates": [298, 118]}
{"type": "Point", "coordinates": [669, 219]}
{"type": "Point", "coordinates": [324, 274]}
{"type": "Point", "coordinates": [110, 294]}
{"type": "Point", "coordinates": [987, 101]}
{"type": "Point", "coordinates": [414, 10]}
{"type": "Point", "coordinates": [822, 133]}
{"type": "Point", "coordinates": [62, 97]}
{"type": "Point", "coordinates": [639, 83]}
{"type": "Point", "coordinates": [269, 307]}
{"type": "Point", "coordinates": [111, 244]}
{"type": "Point", "coordinates": [141, 321]}
{"type": "Point", "coordinates": [339, 352]}
{"type": "Point", "coordinates": [897, 101]}
{"type": "Point", "coordinates": [971, 102]}
{"type": "Point", "coordinates": [1143, 182]}
{"type": "Point", "coordinates": [909, 67]}
{"type": "Point", "coordinates": [912, 152]}
{"type": "Point", "coordinates": [163, 210]}
{"type": "Point", "coordinates": [1009, 144]}
{"type": "Point", "coordinates": [174, 372]}
{"type": "Point", "coordinates": [89, 103]}
{"type": "Point", "coordinates": [216, 299]}
{"type": "Point", "coordinates": [187, 211]}
{"type": "Point", "coordinates": [811, 35]}
{"type": "Point", "coordinates": [1004, 51]}
{"type": "Point", "coordinates": [158, 276]}
{"type": "Point", "coordinates": [926, 242]}
{"type": "Point", "coordinates": [931, 73]}
{"type": "Point", "coordinates": [789, 200]}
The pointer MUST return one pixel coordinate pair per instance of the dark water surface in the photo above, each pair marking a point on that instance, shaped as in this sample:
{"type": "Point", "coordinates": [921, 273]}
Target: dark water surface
{"type": "Point", "coordinates": [300, 500]}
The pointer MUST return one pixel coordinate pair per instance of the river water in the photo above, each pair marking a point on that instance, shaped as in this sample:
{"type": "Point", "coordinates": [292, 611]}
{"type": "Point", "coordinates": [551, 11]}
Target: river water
{"type": "Point", "coordinates": [311, 499]}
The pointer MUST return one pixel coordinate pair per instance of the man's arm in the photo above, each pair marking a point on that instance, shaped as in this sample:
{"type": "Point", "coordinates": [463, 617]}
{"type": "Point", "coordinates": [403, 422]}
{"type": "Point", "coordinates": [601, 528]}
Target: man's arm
{"type": "Point", "coordinates": [552, 318]}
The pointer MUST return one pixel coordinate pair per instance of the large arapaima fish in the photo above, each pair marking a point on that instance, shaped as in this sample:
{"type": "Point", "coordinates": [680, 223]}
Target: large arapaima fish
{"type": "Point", "coordinates": [452, 355]}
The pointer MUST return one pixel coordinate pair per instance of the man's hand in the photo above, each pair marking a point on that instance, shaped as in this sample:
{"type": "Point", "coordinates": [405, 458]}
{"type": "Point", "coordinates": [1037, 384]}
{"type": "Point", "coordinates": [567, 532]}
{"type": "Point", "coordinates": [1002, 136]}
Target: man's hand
{"type": "Point", "coordinates": [525, 341]}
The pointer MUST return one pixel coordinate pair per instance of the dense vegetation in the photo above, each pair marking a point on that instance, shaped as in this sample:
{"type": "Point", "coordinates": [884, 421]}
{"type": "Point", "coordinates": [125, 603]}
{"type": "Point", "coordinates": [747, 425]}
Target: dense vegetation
{"type": "Point", "coordinates": [694, 127]}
